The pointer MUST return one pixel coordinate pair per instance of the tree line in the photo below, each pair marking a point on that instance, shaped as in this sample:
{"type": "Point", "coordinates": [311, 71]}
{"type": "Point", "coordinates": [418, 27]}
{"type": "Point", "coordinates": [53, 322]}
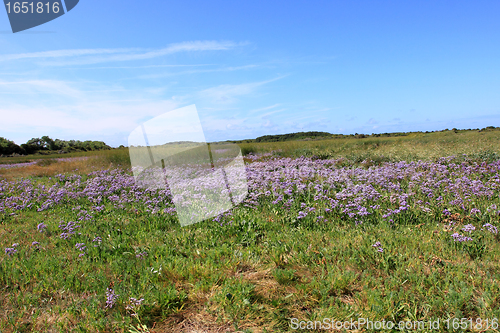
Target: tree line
{"type": "Point", "coordinates": [46, 145]}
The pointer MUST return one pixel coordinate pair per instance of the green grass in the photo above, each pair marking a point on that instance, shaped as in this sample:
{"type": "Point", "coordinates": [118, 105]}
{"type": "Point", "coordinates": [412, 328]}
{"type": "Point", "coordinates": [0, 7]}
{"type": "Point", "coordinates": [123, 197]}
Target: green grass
{"type": "Point", "coordinates": [257, 270]}
{"type": "Point", "coordinates": [412, 147]}
{"type": "Point", "coordinates": [228, 275]}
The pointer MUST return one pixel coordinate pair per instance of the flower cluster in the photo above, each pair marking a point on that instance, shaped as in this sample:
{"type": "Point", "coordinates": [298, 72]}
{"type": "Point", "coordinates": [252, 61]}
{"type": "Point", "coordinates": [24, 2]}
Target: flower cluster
{"type": "Point", "coordinates": [378, 246]}
{"type": "Point", "coordinates": [491, 228]}
{"type": "Point", "coordinates": [98, 240]}
{"type": "Point", "coordinates": [468, 228]}
{"type": "Point", "coordinates": [11, 250]}
{"type": "Point", "coordinates": [142, 255]}
{"type": "Point", "coordinates": [354, 193]}
{"type": "Point", "coordinates": [81, 247]}
{"type": "Point", "coordinates": [133, 305]}
{"type": "Point", "coordinates": [41, 227]}
{"type": "Point", "coordinates": [111, 297]}
{"type": "Point", "coordinates": [69, 229]}
{"type": "Point", "coordinates": [460, 238]}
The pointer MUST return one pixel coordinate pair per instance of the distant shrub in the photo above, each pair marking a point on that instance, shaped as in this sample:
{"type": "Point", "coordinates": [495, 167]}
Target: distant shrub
{"type": "Point", "coordinates": [8, 147]}
{"type": "Point", "coordinates": [247, 150]}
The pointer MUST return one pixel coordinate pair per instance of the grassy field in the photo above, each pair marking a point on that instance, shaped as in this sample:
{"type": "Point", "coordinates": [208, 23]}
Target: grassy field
{"type": "Point", "coordinates": [345, 232]}
{"type": "Point", "coordinates": [413, 147]}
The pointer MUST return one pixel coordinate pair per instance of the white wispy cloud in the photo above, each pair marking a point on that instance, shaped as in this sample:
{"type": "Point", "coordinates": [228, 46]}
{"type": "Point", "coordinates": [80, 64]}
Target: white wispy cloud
{"type": "Point", "coordinates": [80, 120]}
{"type": "Point", "coordinates": [264, 108]}
{"type": "Point", "coordinates": [45, 87]}
{"type": "Point", "coordinates": [145, 66]}
{"type": "Point", "coordinates": [62, 53]}
{"type": "Point", "coordinates": [223, 124]}
{"type": "Point", "coordinates": [175, 48]}
{"type": "Point", "coordinates": [70, 107]}
{"type": "Point", "coordinates": [226, 93]}
{"type": "Point", "coordinates": [131, 56]}
{"type": "Point", "coordinates": [198, 71]}
{"type": "Point", "coordinates": [93, 56]}
{"type": "Point", "coordinates": [265, 115]}
{"type": "Point", "coordinates": [57, 93]}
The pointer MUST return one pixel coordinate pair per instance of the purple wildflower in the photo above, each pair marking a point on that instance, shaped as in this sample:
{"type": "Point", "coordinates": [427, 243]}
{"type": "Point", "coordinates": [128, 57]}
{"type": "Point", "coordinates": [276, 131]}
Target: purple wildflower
{"type": "Point", "coordinates": [378, 246]}
{"type": "Point", "coordinates": [80, 246]}
{"type": "Point", "coordinates": [69, 229]}
{"type": "Point", "coordinates": [142, 255]}
{"type": "Point", "coordinates": [98, 208]}
{"type": "Point", "coordinates": [111, 298]}
{"type": "Point", "coordinates": [133, 304]}
{"type": "Point", "coordinates": [10, 251]}
{"type": "Point", "coordinates": [460, 238]}
{"type": "Point", "coordinates": [468, 228]}
{"type": "Point", "coordinates": [301, 215]}
{"type": "Point", "coordinates": [491, 228]}
{"type": "Point", "coordinates": [280, 198]}
{"type": "Point", "coordinates": [98, 240]}
{"type": "Point", "coordinates": [475, 211]}
{"type": "Point", "coordinates": [41, 227]}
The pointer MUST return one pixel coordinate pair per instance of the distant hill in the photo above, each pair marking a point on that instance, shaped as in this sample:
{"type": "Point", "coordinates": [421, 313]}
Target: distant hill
{"type": "Point", "coordinates": [304, 136]}
{"type": "Point", "coordinates": [293, 136]}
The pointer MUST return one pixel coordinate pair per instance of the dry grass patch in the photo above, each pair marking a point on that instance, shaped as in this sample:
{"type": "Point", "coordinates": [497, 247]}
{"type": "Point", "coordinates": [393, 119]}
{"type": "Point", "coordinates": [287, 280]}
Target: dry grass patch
{"type": "Point", "coordinates": [44, 317]}
{"type": "Point", "coordinates": [192, 320]}
{"type": "Point", "coordinates": [49, 170]}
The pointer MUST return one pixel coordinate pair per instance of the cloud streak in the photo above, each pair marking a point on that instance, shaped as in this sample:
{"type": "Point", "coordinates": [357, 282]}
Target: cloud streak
{"type": "Point", "coordinates": [81, 120]}
{"type": "Point", "coordinates": [198, 71]}
{"type": "Point", "coordinates": [93, 56]}
{"type": "Point", "coordinates": [226, 93]}
{"type": "Point", "coordinates": [62, 53]}
{"type": "Point", "coordinates": [264, 108]}
{"type": "Point", "coordinates": [45, 87]}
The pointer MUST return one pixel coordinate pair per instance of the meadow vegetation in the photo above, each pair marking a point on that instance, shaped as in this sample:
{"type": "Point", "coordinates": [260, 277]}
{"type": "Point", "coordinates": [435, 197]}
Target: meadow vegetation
{"type": "Point", "coordinates": [386, 228]}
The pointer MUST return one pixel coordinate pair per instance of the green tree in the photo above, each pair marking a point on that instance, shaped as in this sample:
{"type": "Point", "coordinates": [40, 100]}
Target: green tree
{"type": "Point", "coordinates": [61, 145]}
{"type": "Point", "coordinates": [48, 143]}
{"type": "Point", "coordinates": [33, 145]}
{"type": "Point", "coordinates": [8, 147]}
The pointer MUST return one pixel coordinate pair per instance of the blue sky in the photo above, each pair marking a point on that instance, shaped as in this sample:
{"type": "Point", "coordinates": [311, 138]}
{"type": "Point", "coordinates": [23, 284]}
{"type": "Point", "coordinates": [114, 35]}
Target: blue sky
{"type": "Point", "coordinates": [252, 68]}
